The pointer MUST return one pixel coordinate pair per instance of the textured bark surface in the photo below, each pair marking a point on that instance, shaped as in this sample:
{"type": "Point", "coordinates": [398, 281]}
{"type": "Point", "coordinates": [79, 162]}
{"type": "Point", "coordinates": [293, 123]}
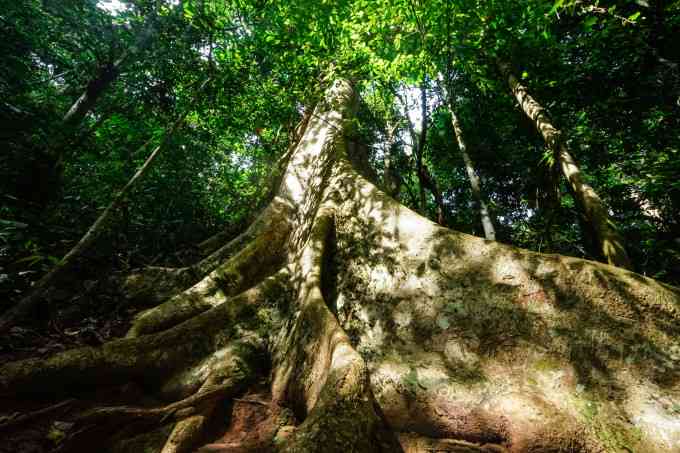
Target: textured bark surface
{"type": "Point", "coordinates": [609, 241]}
{"type": "Point", "coordinates": [382, 331]}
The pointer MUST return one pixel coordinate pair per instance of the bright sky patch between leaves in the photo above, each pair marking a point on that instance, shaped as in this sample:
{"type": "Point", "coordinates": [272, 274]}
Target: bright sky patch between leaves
{"type": "Point", "coordinates": [113, 6]}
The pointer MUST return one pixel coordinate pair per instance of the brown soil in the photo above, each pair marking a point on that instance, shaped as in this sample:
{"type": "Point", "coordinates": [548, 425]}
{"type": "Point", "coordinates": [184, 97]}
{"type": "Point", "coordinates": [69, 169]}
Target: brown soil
{"type": "Point", "coordinates": [254, 423]}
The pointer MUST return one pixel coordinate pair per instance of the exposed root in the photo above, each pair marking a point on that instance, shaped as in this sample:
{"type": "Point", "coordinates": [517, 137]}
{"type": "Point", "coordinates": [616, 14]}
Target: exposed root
{"type": "Point", "coordinates": [153, 284]}
{"type": "Point", "coordinates": [221, 342]}
{"type": "Point", "coordinates": [188, 432]}
{"type": "Point", "coordinates": [413, 443]}
{"type": "Point", "coordinates": [102, 422]}
{"type": "Point", "coordinates": [255, 425]}
{"type": "Point", "coordinates": [175, 411]}
{"type": "Point", "coordinates": [31, 416]}
{"type": "Point", "coordinates": [256, 261]}
{"type": "Point", "coordinates": [475, 346]}
{"type": "Point", "coordinates": [262, 241]}
{"type": "Point", "coordinates": [321, 374]}
{"type": "Point", "coordinates": [151, 356]}
{"type": "Point", "coordinates": [228, 377]}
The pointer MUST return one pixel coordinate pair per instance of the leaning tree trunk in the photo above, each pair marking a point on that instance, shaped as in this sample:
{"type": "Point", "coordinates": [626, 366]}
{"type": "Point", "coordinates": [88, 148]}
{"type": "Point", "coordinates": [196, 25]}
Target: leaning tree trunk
{"type": "Point", "coordinates": [106, 75]}
{"type": "Point", "coordinates": [25, 306]}
{"type": "Point", "coordinates": [487, 223]}
{"type": "Point", "coordinates": [609, 240]}
{"type": "Point", "coordinates": [384, 331]}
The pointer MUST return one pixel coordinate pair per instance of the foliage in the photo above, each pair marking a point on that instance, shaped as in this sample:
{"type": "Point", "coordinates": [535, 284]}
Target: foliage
{"type": "Point", "coordinates": [606, 71]}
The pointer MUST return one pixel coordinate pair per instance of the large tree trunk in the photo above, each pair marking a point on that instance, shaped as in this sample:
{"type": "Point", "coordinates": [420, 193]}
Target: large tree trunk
{"type": "Point", "coordinates": [609, 240]}
{"type": "Point", "coordinates": [384, 331]}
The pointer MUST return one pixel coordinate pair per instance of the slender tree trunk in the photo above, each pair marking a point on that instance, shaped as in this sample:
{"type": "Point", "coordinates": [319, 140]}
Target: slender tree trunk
{"type": "Point", "coordinates": [419, 199]}
{"type": "Point", "coordinates": [425, 179]}
{"type": "Point", "coordinates": [420, 148]}
{"type": "Point", "coordinates": [610, 242]}
{"type": "Point", "coordinates": [107, 74]}
{"type": "Point", "coordinates": [391, 179]}
{"type": "Point", "coordinates": [384, 332]}
{"type": "Point", "coordinates": [475, 184]}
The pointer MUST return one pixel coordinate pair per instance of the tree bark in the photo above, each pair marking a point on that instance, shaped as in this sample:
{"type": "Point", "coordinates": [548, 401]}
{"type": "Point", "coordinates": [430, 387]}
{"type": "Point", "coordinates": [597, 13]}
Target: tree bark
{"type": "Point", "coordinates": [487, 223]}
{"type": "Point", "coordinates": [609, 240]}
{"type": "Point", "coordinates": [386, 332]}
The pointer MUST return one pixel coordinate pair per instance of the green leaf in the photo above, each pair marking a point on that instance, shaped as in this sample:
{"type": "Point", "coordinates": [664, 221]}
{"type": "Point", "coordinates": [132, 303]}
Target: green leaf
{"type": "Point", "coordinates": [589, 22]}
{"type": "Point", "coordinates": [557, 5]}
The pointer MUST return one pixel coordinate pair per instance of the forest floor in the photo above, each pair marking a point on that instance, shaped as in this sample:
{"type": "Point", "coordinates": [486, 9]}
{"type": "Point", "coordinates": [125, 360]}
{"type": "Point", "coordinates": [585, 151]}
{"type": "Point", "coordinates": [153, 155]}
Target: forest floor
{"type": "Point", "coordinates": [89, 309]}
{"type": "Point", "coordinates": [83, 313]}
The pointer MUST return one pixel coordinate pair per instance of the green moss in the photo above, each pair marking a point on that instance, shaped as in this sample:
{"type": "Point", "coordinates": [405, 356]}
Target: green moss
{"type": "Point", "coordinates": [603, 425]}
{"type": "Point", "coordinates": [547, 363]}
{"type": "Point", "coordinates": [617, 438]}
{"type": "Point", "coordinates": [590, 409]}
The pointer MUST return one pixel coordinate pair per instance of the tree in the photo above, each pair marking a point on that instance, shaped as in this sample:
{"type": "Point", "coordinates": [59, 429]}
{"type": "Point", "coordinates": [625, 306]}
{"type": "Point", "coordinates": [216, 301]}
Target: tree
{"type": "Point", "coordinates": [419, 142]}
{"type": "Point", "coordinates": [382, 331]}
{"type": "Point", "coordinates": [343, 319]}
{"type": "Point", "coordinates": [391, 178]}
{"type": "Point", "coordinates": [608, 239]}
{"type": "Point", "coordinates": [25, 306]}
{"type": "Point", "coordinates": [487, 223]}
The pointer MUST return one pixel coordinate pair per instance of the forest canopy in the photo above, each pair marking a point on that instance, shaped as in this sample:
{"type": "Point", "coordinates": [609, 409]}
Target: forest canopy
{"type": "Point", "coordinates": [165, 158]}
{"type": "Point", "coordinates": [606, 74]}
